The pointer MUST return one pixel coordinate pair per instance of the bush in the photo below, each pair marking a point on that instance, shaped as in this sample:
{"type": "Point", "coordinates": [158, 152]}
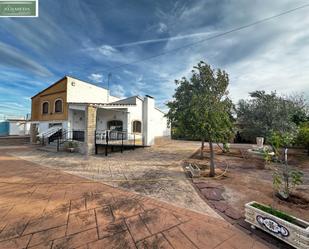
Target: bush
{"type": "Point", "coordinates": [279, 140]}
{"type": "Point", "coordinates": [303, 136]}
{"type": "Point", "coordinates": [70, 144]}
{"type": "Point", "coordinates": [285, 178]}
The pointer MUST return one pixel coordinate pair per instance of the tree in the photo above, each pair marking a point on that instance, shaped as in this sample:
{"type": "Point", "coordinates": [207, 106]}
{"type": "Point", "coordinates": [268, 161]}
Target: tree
{"type": "Point", "coordinates": [303, 135]}
{"type": "Point", "coordinates": [202, 109]}
{"type": "Point", "coordinates": [264, 113]}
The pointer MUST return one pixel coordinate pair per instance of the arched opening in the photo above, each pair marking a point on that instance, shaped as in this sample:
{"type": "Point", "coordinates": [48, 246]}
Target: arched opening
{"type": "Point", "coordinates": [58, 105]}
{"type": "Point", "coordinates": [45, 108]}
{"type": "Point", "coordinates": [115, 125]}
{"type": "Point", "coordinates": [137, 126]}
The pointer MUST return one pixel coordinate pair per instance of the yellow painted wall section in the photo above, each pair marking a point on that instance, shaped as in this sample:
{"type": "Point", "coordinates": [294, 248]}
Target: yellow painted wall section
{"type": "Point", "coordinates": [50, 94]}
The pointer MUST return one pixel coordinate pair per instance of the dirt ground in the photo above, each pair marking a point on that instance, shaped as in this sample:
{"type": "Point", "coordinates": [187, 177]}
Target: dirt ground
{"type": "Point", "coordinates": [245, 182]}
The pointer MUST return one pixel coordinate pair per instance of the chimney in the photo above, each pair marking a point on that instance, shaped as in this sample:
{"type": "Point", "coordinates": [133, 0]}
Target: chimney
{"type": "Point", "coordinates": [148, 123]}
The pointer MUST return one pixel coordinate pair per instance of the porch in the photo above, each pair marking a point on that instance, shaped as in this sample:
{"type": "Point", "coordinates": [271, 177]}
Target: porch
{"type": "Point", "coordinates": [104, 127]}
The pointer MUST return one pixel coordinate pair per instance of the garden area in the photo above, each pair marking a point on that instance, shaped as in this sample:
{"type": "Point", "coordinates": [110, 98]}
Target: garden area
{"type": "Point", "coordinates": [253, 163]}
{"type": "Point", "coordinates": [244, 180]}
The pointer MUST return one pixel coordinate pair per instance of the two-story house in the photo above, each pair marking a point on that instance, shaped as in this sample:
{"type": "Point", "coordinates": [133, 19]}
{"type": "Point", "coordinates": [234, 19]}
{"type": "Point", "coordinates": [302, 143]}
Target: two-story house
{"type": "Point", "coordinates": [89, 113]}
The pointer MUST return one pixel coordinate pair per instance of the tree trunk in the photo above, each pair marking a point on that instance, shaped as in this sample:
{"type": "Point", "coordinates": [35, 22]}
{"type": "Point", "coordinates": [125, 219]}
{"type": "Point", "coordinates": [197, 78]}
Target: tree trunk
{"type": "Point", "coordinates": [307, 149]}
{"type": "Point", "coordinates": [202, 148]}
{"type": "Point", "coordinates": [212, 163]}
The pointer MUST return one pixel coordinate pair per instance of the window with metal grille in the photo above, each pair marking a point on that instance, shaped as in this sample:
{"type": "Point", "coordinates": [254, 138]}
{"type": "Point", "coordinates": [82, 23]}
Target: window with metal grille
{"type": "Point", "coordinates": [137, 126]}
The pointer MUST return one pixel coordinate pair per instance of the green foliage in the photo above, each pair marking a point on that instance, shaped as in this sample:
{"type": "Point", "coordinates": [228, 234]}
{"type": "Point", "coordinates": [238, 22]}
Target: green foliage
{"type": "Point", "coordinates": [281, 140]}
{"type": "Point", "coordinates": [70, 144]}
{"type": "Point", "coordinates": [226, 147]}
{"type": "Point", "coordinates": [268, 154]}
{"type": "Point", "coordinates": [274, 212]}
{"type": "Point", "coordinates": [285, 179]}
{"type": "Point", "coordinates": [264, 113]}
{"type": "Point", "coordinates": [201, 108]}
{"type": "Point", "coordinates": [303, 135]}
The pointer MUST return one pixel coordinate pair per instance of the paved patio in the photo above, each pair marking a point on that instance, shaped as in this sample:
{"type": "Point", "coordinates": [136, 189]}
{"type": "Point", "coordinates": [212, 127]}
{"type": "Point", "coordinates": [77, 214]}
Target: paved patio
{"type": "Point", "coordinates": [45, 208]}
{"type": "Point", "coordinates": [155, 171]}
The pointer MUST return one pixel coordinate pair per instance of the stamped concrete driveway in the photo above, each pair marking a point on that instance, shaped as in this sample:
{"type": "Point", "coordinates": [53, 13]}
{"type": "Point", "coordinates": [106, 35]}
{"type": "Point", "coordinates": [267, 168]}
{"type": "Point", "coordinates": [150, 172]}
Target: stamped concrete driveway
{"type": "Point", "coordinates": [46, 208]}
{"type": "Point", "coordinates": [155, 171]}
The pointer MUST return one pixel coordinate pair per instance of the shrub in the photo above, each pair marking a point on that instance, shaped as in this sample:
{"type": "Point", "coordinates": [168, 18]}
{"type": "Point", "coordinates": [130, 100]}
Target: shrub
{"type": "Point", "coordinates": [70, 144]}
{"type": "Point", "coordinates": [303, 136]}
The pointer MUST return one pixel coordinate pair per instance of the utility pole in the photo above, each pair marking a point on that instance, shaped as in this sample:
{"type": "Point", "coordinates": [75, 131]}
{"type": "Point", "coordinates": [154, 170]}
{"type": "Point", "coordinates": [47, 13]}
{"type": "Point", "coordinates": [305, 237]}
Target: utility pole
{"type": "Point", "coordinates": [108, 81]}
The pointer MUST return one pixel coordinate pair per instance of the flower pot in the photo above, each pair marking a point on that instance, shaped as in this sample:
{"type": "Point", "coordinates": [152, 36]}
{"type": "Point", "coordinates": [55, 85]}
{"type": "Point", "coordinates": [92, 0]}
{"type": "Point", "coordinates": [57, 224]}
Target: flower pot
{"type": "Point", "coordinates": [295, 233]}
{"type": "Point", "coordinates": [71, 150]}
{"type": "Point", "coordinates": [259, 142]}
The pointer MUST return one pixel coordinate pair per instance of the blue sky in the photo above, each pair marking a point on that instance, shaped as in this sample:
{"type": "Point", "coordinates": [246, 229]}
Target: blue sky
{"type": "Point", "coordinates": [90, 38]}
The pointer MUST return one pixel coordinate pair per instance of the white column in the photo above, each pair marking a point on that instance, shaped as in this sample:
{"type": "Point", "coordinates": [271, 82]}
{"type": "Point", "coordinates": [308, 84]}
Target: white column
{"type": "Point", "coordinates": [148, 126]}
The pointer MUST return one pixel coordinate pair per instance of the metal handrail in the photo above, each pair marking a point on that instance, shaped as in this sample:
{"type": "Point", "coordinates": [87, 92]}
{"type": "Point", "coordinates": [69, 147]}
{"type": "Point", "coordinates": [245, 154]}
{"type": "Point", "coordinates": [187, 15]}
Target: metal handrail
{"type": "Point", "coordinates": [63, 135]}
{"type": "Point", "coordinates": [117, 138]}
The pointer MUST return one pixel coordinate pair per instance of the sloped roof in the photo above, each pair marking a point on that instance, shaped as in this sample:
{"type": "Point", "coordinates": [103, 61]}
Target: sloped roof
{"type": "Point", "coordinates": [127, 101]}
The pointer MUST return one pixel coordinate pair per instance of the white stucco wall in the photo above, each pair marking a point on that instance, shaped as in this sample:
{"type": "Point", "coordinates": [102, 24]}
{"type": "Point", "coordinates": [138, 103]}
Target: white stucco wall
{"type": "Point", "coordinates": [148, 120]}
{"type": "Point", "coordinates": [76, 120]}
{"type": "Point", "coordinates": [112, 98]}
{"type": "Point", "coordinates": [161, 124]}
{"type": "Point", "coordinates": [155, 124]}
{"type": "Point", "coordinates": [15, 128]}
{"type": "Point", "coordinates": [18, 128]}
{"type": "Point", "coordinates": [44, 125]}
{"type": "Point", "coordinates": [135, 114]}
{"type": "Point", "coordinates": [103, 116]}
{"type": "Point", "coordinates": [82, 92]}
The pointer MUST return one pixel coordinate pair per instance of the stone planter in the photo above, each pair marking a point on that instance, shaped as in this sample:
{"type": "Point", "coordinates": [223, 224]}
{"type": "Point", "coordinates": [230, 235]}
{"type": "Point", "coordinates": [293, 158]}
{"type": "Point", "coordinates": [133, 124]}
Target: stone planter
{"type": "Point", "coordinates": [194, 170]}
{"type": "Point", "coordinates": [296, 234]}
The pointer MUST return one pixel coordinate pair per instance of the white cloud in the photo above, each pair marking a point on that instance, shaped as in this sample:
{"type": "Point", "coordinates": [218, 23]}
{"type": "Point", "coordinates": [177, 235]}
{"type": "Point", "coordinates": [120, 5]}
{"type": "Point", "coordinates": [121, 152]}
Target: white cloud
{"type": "Point", "coordinates": [118, 90]}
{"type": "Point", "coordinates": [96, 77]}
{"type": "Point", "coordinates": [15, 58]}
{"type": "Point", "coordinates": [107, 50]}
{"type": "Point", "coordinates": [268, 56]}
{"type": "Point", "coordinates": [128, 72]}
{"type": "Point", "coordinates": [166, 39]}
{"type": "Point", "coordinates": [106, 53]}
{"type": "Point", "coordinates": [162, 27]}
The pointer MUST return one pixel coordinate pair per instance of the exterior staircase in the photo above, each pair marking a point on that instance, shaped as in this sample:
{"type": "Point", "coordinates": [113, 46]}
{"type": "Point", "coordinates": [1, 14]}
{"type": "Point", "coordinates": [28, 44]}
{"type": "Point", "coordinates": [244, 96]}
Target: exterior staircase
{"type": "Point", "coordinates": [55, 139]}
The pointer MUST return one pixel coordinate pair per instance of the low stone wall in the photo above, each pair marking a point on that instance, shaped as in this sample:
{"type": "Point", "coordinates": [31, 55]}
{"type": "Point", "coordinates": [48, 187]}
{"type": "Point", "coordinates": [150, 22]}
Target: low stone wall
{"type": "Point", "coordinates": [14, 140]}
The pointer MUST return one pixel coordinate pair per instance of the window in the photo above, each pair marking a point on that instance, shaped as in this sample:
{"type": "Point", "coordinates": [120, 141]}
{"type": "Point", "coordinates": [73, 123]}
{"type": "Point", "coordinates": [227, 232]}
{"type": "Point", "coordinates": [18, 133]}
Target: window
{"type": "Point", "coordinates": [58, 105]}
{"type": "Point", "coordinates": [114, 125]}
{"type": "Point", "coordinates": [137, 126]}
{"type": "Point", "coordinates": [45, 108]}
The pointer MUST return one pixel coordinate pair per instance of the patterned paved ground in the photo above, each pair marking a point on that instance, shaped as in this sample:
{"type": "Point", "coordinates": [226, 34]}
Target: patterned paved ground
{"type": "Point", "coordinates": [45, 208]}
{"type": "Point", "coordinates": [155, 171]}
